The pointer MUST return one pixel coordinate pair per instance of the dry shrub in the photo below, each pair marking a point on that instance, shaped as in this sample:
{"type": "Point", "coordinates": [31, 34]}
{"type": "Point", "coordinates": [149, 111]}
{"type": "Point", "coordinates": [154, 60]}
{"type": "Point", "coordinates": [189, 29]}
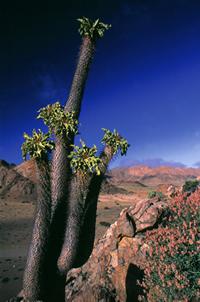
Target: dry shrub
{"type": "Point", "coordinates": [172, 272]}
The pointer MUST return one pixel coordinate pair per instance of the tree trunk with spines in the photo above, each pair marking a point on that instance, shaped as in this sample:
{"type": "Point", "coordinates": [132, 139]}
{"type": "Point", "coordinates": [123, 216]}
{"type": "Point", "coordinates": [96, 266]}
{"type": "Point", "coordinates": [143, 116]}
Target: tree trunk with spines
{"type": "Point", "coordinates": [34, 274]}
{"type": "Point", "coordinates": [77, 197]}
{"type": "Point", "coordinates": [80, 76]}
{"type": "Point", "coordinates": [61, 172]}
{"type": "Point", "coordinates": [60, 162]}
{"type": "Point", "coordinates": [88, 222]}
{"type": "Point", "coordinates": [66, 206]}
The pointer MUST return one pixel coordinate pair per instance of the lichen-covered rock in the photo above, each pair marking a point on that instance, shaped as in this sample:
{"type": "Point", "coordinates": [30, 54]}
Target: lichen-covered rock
{"type": "Point", "coordinates": [118, 259]}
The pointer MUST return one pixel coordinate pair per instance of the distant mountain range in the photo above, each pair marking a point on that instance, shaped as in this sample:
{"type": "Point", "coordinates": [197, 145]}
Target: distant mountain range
{"type": "Point", "coordinates": [153, 162]}
{"type": "Point", "coordinates": [154, 176]}
{"type": "Point", "coordinates": [19, 182]}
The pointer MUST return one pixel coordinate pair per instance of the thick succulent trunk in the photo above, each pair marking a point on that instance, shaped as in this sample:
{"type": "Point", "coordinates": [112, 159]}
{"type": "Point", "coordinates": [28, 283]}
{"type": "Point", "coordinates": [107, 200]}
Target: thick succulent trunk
{"type": "Point", "coordinates": [34, 274]}
{"type": "Point", "coordinates": [77, 197]}
{"type": "Point", "coordinates": [106, 157]}
{"type": "Point", "coordinates": [60, 180]}
{"type": "Point", "coordinates": [61, 173]}
{"type": "Point", "coordinates": [87, 230]}
{"type": "Point", "coordinates": [60, 162]}
{"type": "Point", "coordinates": [87, 235]}
{"type": "Point", "coordinates": [78, 84]}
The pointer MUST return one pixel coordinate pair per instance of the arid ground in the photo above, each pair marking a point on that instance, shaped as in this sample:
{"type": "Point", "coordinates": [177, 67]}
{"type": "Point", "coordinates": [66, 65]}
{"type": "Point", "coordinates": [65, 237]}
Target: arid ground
{"type": "Point", "coordinates": [16, 215]}
{"type": "Point", "coordinates": [15, 233]}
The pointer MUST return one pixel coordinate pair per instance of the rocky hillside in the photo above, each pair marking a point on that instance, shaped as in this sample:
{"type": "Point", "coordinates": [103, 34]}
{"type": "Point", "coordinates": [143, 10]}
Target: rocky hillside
{"type": "Point", "coordinates": [154, 176]}
{"type": "Point", "coordinates": [27, 169]}
{"type": "Point", "coordinates": [18, 182]}
{"type": "Point", "coordinates": [13, 185]}
{"type": "Point", "coordinates": [141, 175]}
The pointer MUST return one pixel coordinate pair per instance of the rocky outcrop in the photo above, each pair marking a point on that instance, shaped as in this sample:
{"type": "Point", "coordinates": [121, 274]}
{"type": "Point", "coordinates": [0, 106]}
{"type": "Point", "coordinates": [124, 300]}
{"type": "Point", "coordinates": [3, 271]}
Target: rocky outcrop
{"type": "Point", "coordinates": [118, 259]}
{"type": "Point", "coordinates": [27, 169]}
{"type": "Point", "coordinates": [15, 186]}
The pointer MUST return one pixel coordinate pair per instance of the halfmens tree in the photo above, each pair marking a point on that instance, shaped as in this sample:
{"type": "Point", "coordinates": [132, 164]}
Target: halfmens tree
{"type": "Point", "coordinates": [69, 183]}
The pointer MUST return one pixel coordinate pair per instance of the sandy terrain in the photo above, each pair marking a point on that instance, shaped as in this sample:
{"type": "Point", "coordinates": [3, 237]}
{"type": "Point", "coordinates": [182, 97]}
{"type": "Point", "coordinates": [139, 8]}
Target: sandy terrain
{"type": "Point", "coordinates": [16, 221]}
{"type": "Point", "coordinates": [15, 232]}
{"type": "Point", "coordinates": [122, 187]}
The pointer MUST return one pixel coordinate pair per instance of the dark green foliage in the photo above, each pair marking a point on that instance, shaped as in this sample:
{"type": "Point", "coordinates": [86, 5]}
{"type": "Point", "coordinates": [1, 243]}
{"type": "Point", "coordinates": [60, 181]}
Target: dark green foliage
{"type": "Point", "coordinates": [190, 186]}
{"type": "Point", "coordinates": [93, 29]}
{"type": "Point", "coordinates": [60, 123]}
{"type": "Point", "coordinates": [115, 141]}
{"type": "Point", "coordinates": [153, 194]}
{"type": "Point", "coordinates": [36, 146]}
{"type": "Point", "coordinates": [84, 159]}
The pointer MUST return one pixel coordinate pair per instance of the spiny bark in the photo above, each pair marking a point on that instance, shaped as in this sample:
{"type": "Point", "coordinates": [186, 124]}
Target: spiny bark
{"type": "Point", "coordinates": [34, 274]}
{"type": "Point", "coordinates": [61, 172]}
{"type": "Point", "coordinates": [60, 181]}
{"type": "Point", "coordinates": [106, 157]}
{"type": "Point", "coordinates": [87, 230]}
{"type": "Point", "coordinates": [78, 84]}
{"type": "Point", "coordinates": [77, 196]}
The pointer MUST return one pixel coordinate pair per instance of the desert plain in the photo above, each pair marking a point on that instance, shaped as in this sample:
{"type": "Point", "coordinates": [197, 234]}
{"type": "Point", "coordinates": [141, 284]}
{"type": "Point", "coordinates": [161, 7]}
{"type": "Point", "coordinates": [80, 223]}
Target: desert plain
{"type": "Point", "coordinates": [122, 188]}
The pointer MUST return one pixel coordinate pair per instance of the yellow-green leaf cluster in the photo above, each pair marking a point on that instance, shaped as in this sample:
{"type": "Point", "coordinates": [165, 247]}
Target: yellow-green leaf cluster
{"type": "Point", "coordinates": [59, 122]}
{"type": "Point", "coordinates": [115, 141]}
{"type": "Point", "coordinates": [93, 29]}
{"type": "Point", "coordinates": [84, 159]}
{"type": "Point", "coordinates": [36, 145]}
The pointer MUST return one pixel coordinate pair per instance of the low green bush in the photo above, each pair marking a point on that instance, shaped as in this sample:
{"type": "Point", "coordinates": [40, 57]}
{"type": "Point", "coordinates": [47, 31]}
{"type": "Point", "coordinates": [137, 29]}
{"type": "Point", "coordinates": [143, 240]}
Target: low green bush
{"type": "Point", "coordinates": [153, 194]}
{"type": "Point", "coordinates": [190, 186]}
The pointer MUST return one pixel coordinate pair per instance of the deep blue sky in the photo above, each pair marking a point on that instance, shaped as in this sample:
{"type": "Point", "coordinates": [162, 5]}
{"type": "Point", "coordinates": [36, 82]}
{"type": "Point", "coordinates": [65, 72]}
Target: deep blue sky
{"type": "Point", "coordinates": [144, 80]}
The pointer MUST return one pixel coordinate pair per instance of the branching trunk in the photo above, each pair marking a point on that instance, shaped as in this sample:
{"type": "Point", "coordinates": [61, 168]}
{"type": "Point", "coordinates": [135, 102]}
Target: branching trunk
{"type": "Point", "coordinates": [87, 229]}
{"type": "Point", "coordinates": [61, 173]}
{"type": "Point", "coordinates": [66, 206]}
{"type": "Point", "coordinates": [60, 180]}
{"type": "Point", "coordinates": [34, 275]}
{"type": "Point", "coordinates": [77, 197]}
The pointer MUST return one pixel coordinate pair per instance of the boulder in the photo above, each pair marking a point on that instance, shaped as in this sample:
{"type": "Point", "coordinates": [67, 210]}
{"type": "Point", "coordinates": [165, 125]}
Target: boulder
{"type": "Point", "coordinates": [118, 259]}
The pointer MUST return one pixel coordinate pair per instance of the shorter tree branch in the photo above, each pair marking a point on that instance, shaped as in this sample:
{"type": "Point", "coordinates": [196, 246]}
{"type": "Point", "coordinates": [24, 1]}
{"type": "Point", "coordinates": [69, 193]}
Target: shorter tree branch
{"type": "Point", "coordinates": [87, 235]}
{"type": "Point", "coordinates": [34, 274]}
{"type": "Point", "coordinates": [76, 204]}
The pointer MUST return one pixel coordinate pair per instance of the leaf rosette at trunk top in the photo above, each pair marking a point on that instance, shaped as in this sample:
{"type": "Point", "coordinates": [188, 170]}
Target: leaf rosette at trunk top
{"type": "Point", "coordinates": [115, 141]}
{"type": "Point", "coordinates": [36, 146]}
{"type": "Point", "coordinates": [84, 159]}
{"type": "Point", "coordinates": [93, 29]}
{"type": "Point", "coordinates": [59, 122]}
